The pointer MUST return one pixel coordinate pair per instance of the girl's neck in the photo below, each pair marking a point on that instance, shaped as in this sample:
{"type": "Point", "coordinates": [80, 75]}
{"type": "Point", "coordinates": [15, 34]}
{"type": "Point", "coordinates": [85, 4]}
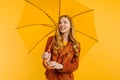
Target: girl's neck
{"type": "Point", "coordinates": [65, 37]}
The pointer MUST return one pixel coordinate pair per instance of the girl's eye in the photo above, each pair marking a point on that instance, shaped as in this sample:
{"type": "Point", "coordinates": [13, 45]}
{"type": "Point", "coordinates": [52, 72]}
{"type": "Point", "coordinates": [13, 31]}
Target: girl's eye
{"type": "Point", "coordinates": [60, 22]}
{"type": "Point", "coordinates": [65, 22]}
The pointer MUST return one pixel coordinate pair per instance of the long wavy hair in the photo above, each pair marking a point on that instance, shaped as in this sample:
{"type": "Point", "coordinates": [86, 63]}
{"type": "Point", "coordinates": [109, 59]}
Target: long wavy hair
{"type": "Point", "coordinates": [58, 39]}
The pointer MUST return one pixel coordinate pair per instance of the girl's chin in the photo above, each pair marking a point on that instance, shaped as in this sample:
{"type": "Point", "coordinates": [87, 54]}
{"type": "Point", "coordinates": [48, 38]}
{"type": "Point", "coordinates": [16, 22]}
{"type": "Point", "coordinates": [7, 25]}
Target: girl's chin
{"type": "Point", "coordinates": [62, 31]}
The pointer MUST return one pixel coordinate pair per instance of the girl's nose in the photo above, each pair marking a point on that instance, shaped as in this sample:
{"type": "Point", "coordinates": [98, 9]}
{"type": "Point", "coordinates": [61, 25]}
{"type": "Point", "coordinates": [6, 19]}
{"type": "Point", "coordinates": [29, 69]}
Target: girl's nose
{"type": "Point", "coordinates": [62, 24]}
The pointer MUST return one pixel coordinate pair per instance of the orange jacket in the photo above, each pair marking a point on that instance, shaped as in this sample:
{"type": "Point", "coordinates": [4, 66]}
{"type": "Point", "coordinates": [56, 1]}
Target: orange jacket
{"type": "Point", "coordinates": [67, 59]}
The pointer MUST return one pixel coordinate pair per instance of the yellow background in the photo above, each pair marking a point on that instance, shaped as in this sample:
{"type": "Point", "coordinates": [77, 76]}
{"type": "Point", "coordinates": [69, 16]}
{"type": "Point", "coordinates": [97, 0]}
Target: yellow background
{"type": "Point", "coordinates": [102, 62]}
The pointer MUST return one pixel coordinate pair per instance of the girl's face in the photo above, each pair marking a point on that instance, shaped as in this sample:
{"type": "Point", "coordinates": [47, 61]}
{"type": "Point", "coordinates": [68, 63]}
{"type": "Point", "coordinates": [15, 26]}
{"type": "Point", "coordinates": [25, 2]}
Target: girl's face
{"type": "Point", "coordinates": [64, 25]}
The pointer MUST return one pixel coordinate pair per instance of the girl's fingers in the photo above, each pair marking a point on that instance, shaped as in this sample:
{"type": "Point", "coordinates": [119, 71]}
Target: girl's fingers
{"type": "Point", "coordinates": [52, 63]}
{"type": "Point", "coordinates": [53, 67]}
{"type": "Point", "coordinates": [46, 55]}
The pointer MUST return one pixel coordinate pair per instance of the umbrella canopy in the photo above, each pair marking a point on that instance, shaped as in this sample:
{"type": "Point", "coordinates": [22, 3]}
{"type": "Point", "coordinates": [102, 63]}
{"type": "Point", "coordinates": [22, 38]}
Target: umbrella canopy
{"type": "Point", "coordinates": [40, 19]}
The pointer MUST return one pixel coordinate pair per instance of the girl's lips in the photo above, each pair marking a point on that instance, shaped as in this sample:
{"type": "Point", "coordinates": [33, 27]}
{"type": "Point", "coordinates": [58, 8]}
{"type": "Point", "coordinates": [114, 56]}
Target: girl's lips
{"type": "Point", "coordinates": [63, 28]}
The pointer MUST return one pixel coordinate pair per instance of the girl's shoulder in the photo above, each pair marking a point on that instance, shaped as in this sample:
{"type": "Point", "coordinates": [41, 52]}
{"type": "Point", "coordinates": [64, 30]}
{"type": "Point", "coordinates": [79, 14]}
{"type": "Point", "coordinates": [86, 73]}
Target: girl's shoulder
{"type": "Point", "coordinates": [50, 38]}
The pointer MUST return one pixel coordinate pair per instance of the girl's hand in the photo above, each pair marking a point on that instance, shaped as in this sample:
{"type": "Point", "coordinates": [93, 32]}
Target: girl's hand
{"type": "Point", "coordinates": [55, 65]}
{"type": "Point", "coordinates": [47, 56]}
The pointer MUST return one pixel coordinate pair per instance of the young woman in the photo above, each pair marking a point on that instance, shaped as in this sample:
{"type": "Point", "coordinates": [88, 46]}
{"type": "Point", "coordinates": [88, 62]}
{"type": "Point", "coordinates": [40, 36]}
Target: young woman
{"type": "Point", "coordinates": [62, 52]}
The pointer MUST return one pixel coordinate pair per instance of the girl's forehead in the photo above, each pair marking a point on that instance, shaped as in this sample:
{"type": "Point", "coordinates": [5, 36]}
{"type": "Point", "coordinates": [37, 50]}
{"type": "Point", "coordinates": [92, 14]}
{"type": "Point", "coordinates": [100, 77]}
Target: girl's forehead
{"type": "Point", "coordinates": [64, 19]}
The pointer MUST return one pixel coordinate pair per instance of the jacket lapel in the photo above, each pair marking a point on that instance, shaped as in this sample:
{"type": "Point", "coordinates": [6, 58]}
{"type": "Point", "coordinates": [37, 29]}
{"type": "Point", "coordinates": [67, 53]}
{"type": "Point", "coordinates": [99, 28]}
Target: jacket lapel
{"type": "Point", "coordinates": [66, 49]}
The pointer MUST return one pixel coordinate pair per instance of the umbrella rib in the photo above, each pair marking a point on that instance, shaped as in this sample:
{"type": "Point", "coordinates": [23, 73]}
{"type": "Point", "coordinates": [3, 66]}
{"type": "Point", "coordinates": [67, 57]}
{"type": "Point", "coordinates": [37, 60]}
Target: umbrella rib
{"type": "Point", "coordinates": [82, 13]}
{"type": "Point", "coordinates": [48, 25]}
{"type": "Point", "coordinates": [40, 40]}
{"type": "Point", "coordinates": [88, 36]}
{"type": "Point", "coordinates": [59, 8]}
{"type": "Point", "coordinates": [43, 12]}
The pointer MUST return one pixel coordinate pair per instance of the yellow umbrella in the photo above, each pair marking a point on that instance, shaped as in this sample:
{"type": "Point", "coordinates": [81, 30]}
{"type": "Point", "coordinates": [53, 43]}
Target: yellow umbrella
{"type": "Point", "coordinates": [40, 19]}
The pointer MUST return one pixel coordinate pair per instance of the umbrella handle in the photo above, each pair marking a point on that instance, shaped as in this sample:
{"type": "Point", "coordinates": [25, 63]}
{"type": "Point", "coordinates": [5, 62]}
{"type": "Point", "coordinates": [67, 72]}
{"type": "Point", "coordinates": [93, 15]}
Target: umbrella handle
{"type": "Point", "coordinates": [45, 64]}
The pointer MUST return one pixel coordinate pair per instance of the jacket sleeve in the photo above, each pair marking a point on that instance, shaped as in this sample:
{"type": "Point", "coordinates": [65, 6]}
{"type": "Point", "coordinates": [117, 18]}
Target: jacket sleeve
{"type": "Point", "coordinates": [47, 46]}
{"type": "Point", "coordinates": [48, 43]}
{"type": "Point", "coordinates": [70, 66]}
